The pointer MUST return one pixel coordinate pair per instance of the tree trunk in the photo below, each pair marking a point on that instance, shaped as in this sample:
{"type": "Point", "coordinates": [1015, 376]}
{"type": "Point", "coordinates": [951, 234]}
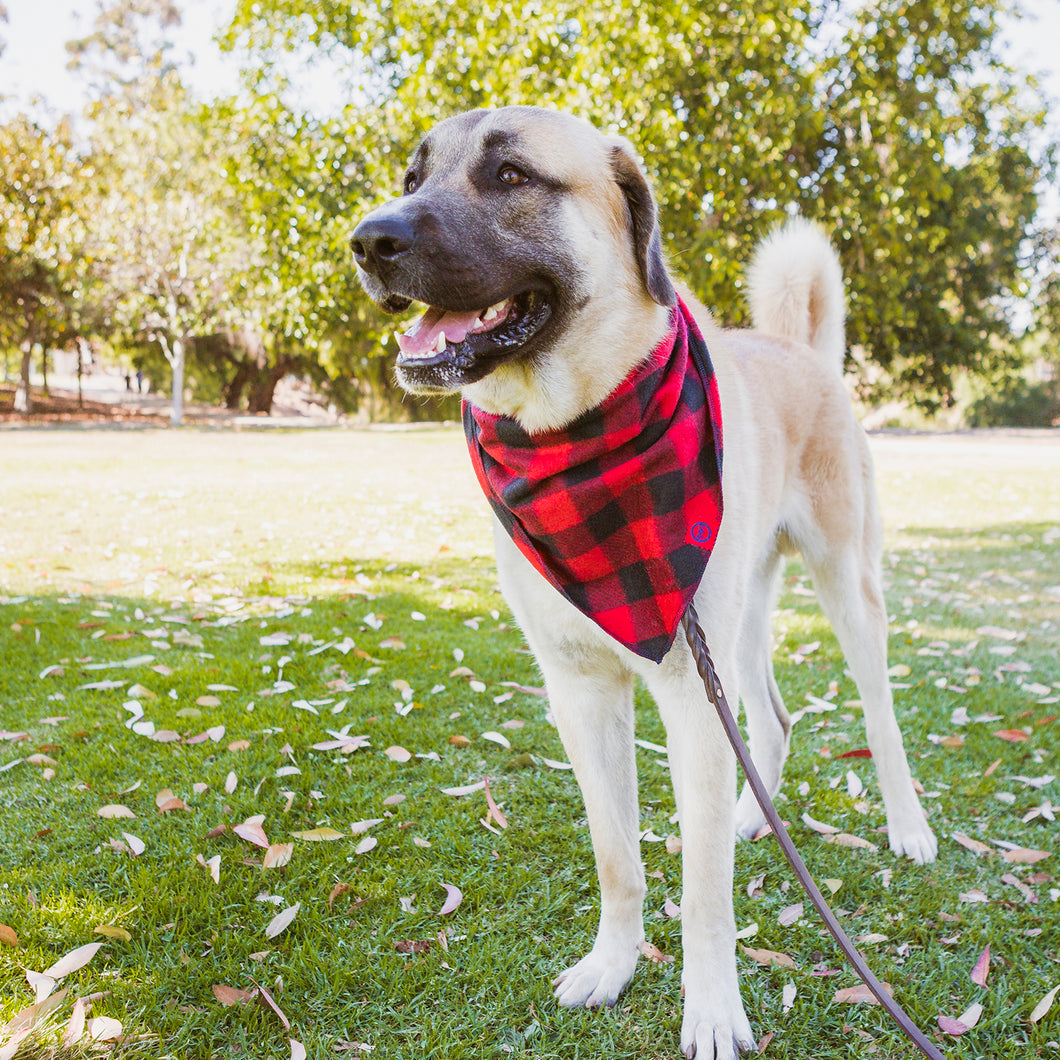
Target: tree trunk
{"type": "Point", "coordinates": [176, 414]}
{"type": "Point", "coordinates": [44, 370]}
{"type": "Point", "coordinates": [236, 385]}
{"type": "Point", "coordinates": [263, 388]}
{"type": "Point", "coordinates": [79, 344]}
{"type": "Point", "coordinates": [23, 392]}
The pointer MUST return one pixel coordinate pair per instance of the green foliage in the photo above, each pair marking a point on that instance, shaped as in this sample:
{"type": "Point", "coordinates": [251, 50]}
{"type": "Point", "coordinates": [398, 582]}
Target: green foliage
{"type": "Point", "coordinates": [895, 123]}
{"type": "Point", "coordinates": [1017, 402]}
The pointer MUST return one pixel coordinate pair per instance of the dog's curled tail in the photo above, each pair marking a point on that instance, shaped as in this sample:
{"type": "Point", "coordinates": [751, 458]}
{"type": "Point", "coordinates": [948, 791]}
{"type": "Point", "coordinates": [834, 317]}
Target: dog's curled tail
{"type": "Point", "coordinates": [795, 288]}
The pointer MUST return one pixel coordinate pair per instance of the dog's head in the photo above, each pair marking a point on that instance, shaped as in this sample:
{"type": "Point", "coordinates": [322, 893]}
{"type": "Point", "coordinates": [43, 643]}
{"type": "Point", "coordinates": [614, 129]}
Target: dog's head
{"type": "Point", "coordinates": [533, 241]}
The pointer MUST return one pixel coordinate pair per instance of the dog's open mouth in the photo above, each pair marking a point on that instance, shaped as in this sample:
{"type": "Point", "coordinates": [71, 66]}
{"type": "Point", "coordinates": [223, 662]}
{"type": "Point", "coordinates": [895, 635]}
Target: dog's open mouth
{"type": "Point", "coordinates": [459, 338]}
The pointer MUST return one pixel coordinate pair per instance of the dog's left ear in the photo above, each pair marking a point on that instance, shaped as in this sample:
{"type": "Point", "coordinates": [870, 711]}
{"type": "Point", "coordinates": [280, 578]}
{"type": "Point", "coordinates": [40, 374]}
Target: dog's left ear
{"type": "Point", "coordinates": [644, 218]}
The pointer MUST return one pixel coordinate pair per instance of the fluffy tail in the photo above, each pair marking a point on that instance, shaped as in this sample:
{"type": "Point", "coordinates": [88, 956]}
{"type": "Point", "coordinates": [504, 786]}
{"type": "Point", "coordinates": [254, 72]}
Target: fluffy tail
{"type": "Point", "coordinates": [795, 288]}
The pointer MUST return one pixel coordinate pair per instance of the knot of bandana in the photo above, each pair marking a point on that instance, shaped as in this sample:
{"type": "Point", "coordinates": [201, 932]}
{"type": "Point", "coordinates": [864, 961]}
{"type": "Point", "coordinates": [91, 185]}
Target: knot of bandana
{"type": "Point", "coordinates": [621, 509]}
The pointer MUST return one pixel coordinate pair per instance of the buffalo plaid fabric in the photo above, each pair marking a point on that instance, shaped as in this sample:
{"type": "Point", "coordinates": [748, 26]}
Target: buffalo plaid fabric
{"type": "Point", "coordinates": [620, 510]}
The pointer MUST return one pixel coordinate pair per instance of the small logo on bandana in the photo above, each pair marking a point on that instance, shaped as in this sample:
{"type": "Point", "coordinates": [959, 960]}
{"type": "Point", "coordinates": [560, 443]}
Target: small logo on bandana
{"type": "Point", "coordinates": [701, 533]}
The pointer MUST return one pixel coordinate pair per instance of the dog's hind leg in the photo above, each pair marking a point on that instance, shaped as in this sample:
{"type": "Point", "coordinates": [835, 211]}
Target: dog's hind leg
{"type": "Point", "coordinates": [768, 724]}
{"type": "Point", "coordinates": [592, 703]}
{"type": "Point", "coordinates": [846, 576]}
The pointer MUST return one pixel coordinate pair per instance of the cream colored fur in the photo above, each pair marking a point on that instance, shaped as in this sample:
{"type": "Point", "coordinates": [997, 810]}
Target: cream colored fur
{"type": "Point", "coordinates": [797, 475]}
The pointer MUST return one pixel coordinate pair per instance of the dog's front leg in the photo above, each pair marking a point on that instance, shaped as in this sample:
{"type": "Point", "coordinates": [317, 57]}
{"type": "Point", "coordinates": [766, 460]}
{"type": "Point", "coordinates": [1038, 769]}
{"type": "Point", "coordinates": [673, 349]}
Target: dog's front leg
{"type": "Point", "coordinates": [703, 770]}
{"type": "Point", "coordinates": [594, 715]}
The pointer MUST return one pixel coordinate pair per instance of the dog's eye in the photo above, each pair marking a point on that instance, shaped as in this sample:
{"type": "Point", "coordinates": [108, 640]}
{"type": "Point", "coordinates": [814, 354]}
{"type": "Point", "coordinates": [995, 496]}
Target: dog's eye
{"type": "Point", "coordinates": [411, 183]}
{"type": "Point", "coordinates": [511, 175]}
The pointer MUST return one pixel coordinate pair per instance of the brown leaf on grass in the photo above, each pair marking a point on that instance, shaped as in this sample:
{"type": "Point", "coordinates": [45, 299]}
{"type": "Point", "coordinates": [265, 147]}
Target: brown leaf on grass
{"type": "Point", "coordinates": [278, 855]}
{"type": "Point", "coordinates": [860, 994]}
{"type": "Point", "coordinates": [790, 915]}
{"type": "Point", "coordinates": [213, 866]}
{"type": "Point", "coordinates": [972, 844]}
{"type": "Point", "coordinates": [282, 921]}
{"type": "Point", "coordinates": [458, 740]}
{"type": "Point", "coordinates": [75, 1026]}
{"type": "Point", "coordinates": [337, 891]}
{"type": "Point", "coordinates": [320, 835]}
{"type": "Point", "coordinates": [818, 826]}
{"type": "Point", "coordinates": [1012, 735]}
{"type": "Point", "coordinates": [845, 839]}
{"type": "Point", "coordinates": [114, 809]}
{"type": "Point", "coordinates": [1044, 1005]}
{"type": "Point", "coordinates": [1026, 891]}
{"type": "Point", "coordinates": [654, 954]}
{"type": "Point", "coordinates": [982, 968]}
{"type": "Point", "coordinates": [230, 995]}
{"type": "Point", "coordinates": [1024, 856]}
{"type": "Point", "coordinates": [73, 961]}
{"type": "Point", "coordinates": [166, 801]}
{"type": "Point", "coordinates": [769, 957]}
{"type": "Point", "coordinates": [396, 753]}
{"type": "Point", "coordinates": [252, 832]}
{"type": "Point", "coordinates": [413, 946]}
{"type": "Point", "coordinates": [494, 811]}
{"type": "Point", "coordinates": [360, 827]}
{"type": "Point", "coordinates": [953, 1027]}
{"type": "Point", "coordinates": [8, 936]}
{"type": "Point", "coordinates": [112, 931]}
{"type": "Point", "coordinates": [239, 745]}
{"type": "Point", "coordinates": [270, 1002]}
{"type": "Point", "coordinates": [453, 897]}
{"type": "Point", "coordinates": [763, 1042]}
{"type": "Point", "coordinates": [104, 1029]}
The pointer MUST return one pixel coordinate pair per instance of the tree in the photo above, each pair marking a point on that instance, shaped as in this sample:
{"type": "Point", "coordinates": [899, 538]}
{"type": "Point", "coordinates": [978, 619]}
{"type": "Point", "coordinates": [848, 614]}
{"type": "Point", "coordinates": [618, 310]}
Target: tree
{"type": "Point", "coordinates": [166, 229]}
{"type": "Point", "coordinates": [42, 236]}
{"type": "Point", "coordinates": [894, 122]}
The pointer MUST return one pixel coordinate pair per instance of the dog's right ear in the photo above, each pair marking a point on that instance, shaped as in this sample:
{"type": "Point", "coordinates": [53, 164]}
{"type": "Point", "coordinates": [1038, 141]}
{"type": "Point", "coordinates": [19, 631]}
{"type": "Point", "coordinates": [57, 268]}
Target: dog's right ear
{"type": "Point", "coordinates": [644, 219]}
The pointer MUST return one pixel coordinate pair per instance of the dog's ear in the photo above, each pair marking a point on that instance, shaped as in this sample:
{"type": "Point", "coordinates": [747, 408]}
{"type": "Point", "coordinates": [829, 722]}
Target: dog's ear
{"type": "Point", "coordinates": [644, 219]}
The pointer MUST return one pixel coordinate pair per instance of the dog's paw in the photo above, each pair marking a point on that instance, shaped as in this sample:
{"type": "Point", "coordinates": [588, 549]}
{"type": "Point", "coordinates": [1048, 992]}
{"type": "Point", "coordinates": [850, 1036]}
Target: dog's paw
{"type": "Point", "coordinates": [598, 978]}
{"type": "Point", "coordinates": [749, 817]}
{"type": "Point", "coordinates": [715, 1032]}
{"type": "Point", "coordinates": [914, 840]}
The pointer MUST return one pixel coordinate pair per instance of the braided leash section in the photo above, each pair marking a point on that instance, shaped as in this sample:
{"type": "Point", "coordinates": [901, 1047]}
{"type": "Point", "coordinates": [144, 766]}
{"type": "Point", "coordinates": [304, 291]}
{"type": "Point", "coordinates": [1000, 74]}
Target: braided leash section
{"type": "Point", "coordinates": [705, 666]}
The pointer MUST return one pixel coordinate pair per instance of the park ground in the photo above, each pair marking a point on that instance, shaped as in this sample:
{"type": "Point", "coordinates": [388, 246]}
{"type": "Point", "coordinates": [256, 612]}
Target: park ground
{"type": "Point", "coordinates": [243, 672]}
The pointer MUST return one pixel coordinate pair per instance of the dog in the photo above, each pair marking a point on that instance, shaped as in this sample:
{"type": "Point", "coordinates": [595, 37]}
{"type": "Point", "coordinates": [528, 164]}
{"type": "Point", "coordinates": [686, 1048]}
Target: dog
{"type": "Point", "coordinates": [534, 242]}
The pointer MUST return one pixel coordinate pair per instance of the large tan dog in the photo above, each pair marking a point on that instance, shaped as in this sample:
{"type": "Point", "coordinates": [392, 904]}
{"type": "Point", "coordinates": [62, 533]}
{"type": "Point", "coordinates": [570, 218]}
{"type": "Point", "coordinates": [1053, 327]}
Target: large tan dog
{"type": "Point", "coordinates": [533, 240]}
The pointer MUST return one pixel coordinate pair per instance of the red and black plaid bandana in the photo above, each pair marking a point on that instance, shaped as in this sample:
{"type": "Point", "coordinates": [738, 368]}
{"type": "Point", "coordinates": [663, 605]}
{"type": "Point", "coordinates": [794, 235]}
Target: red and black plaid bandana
{"type": "Point", "coordinates": [620, 510]}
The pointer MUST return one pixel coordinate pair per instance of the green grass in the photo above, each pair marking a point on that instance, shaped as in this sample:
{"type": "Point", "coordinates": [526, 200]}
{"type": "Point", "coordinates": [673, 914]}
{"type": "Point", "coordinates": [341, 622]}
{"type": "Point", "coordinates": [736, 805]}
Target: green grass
{"type": "Point", "coordinates": [107, 539]}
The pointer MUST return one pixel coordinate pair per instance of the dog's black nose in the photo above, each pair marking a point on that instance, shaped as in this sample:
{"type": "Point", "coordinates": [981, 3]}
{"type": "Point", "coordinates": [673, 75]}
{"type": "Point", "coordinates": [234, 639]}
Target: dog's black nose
{"type": "Point", "coordinates": [379, 240]}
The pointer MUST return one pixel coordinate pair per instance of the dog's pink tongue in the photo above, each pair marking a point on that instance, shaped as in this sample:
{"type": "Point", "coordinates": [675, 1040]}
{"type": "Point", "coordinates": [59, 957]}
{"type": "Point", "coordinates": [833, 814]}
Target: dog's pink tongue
{"type": "Point", "coordinates": [422, 337]}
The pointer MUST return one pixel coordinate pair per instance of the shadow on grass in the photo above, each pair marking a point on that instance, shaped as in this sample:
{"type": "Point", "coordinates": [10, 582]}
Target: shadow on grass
{"type": "Point", "coordinates": [361, 663]}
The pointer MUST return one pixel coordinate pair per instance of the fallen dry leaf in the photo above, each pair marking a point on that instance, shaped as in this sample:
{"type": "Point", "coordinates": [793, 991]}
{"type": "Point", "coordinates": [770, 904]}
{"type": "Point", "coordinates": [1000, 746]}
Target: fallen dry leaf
{"type": "Point", "coordinates": [494, 811]}
{"type": "Point", "coordinates": [297, 1049]}
{"type": "Point", "coordinates": [413, 946]}
{"type": "Point", "coordinates": [278, 855]}
{"type": "Point", "coordinates": [114, 809]}
{"type": "Point", "coordinates": [359, 827]}
{"type": "Point", "coordinates": [213, 866]}
{"type": "Point", "coordinates": [230, 995]}
{"type": "Point", "coordinates": [465, 789]}
{"type": "Point", "coordinates": [281, 921]}
{"type": "Point", "coordinates": [252, 832]}
{"type": "Point", "coordinates": [790, 915]}
{"type": "Point", "coordinates": [396, 753]}
{"type": "Point", "coordinates": [103, 1028]}
{"type": "Point", "coordinates": [860, 994]}
{"type": "Point", "coordinates": [953, 1027]}
{"type": "Point", "coordinates": [1012, 735]}
{"type": "Point", "coordinates": [270, 1002]}
{"type": "Point", "coordinates": [8, 936]}
{"type": "Point", "coordinates": [368, 843]}
{"type": "Point", "coordinates": [1044, 1005]}
{"type": "Point", "coordinates": [971, 1015]}
{"type": "Point", "coordinates": [319, 835]}
{"type": "Point", "coordinates": [845, 839]}
{"type": "Point", "coordinates": [654, 954]}
{"type": "Point", "coordinates": [112, 931]}
{"type": "Point", "coordinates": [818, 826]}
{"type": "Point", "coordinates": [982, 968]}
{"type": "Point", "coordinates": [454, 896]}
{"type": "Point", "coordinates": [75, 1026]}
{"type": "Point", "coordinates": [972, 844]}
{"type": "Point", "coordinates": [769, 957]}
{"type": "Point", "coordinates": [136, 845]}
{"type": "Point", "coordinates": [1024, 855]}
{"type": "Point", "coordinates": [73, 960]}
{"type": "Point", "coordinates": [166, 801]}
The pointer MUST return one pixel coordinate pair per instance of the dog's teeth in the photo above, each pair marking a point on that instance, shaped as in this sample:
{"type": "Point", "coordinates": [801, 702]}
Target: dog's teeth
{"type": "Point", "coordinates": [439, 346]}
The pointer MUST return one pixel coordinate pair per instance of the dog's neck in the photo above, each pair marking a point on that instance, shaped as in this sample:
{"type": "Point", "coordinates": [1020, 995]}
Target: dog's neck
{"type": "Point", "coordinates": [553, 390]}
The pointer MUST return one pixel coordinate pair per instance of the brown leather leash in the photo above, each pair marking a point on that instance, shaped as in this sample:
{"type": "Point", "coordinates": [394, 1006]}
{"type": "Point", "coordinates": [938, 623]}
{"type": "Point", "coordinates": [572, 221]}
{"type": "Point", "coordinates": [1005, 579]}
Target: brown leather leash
{"type": "Point", "coordinates": [697, 642]}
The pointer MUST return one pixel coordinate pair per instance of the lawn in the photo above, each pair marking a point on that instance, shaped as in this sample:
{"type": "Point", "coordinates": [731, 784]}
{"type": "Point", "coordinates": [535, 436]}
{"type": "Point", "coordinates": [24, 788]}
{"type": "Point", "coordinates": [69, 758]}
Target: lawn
{"type": "Point", "coordinates": [273, 660]}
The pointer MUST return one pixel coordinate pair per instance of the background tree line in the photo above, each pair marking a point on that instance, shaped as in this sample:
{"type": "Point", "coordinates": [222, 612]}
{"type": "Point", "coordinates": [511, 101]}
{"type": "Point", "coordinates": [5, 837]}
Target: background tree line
{"type": "Point", "coordinates": [208, 239]}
